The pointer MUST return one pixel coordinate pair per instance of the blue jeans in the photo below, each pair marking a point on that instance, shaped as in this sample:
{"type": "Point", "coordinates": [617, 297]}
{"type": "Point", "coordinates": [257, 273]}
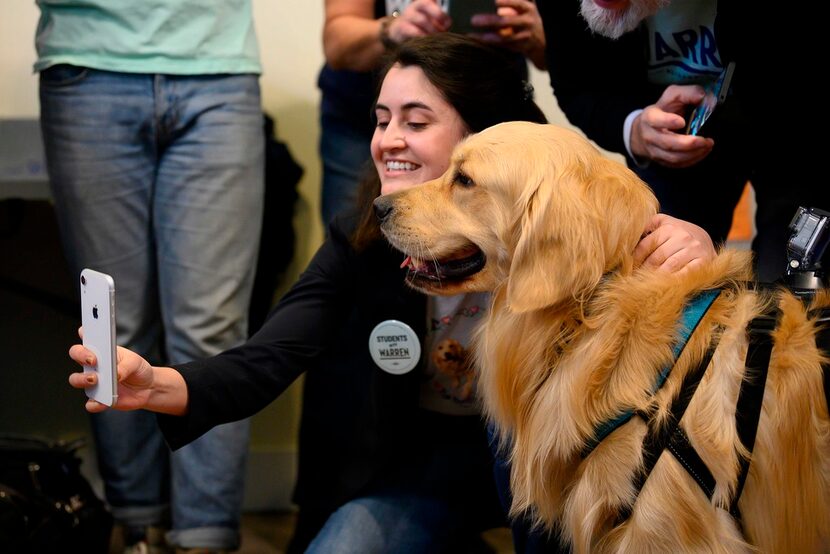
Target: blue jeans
{"type": "Point", "coordinates": [403, 523]}
{"type": "Point", "coordinates": [344, 151]}
{"type": "Point", "coordinates": [158, 181]}
{"type": "Point", "coordinates": [435, 494]}
{"type": "Point", "coordinates": [527, 539]}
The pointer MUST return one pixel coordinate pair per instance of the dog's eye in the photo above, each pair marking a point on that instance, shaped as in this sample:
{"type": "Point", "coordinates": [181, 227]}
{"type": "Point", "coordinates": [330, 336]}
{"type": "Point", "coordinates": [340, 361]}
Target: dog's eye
{"type": "Point", "coordinates": [463, 180]}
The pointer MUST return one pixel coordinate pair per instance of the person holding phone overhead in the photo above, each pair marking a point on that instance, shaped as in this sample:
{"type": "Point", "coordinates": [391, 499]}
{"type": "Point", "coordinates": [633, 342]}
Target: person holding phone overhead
{"type": "Point", "coordinates": [356, 34]}
{"type": "Point", "coordinates": [391, 459]}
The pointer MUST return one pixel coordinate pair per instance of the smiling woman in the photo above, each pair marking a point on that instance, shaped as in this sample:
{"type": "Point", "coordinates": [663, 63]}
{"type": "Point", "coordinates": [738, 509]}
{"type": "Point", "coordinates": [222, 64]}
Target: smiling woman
{"type": "Point", "coordinates": [416, 128]}
{"type": "Point", "coordinates": [389, 461]}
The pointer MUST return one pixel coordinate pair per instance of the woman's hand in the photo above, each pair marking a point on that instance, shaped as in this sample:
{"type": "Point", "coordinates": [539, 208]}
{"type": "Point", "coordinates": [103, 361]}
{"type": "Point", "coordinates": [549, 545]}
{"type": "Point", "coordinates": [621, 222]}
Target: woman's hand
{"type": "Point", "coordinates": [673, 245]}
{"type": "Point", "coordinates": [140, 385]}
{"type": "Point", "coordinates": [517, 26]}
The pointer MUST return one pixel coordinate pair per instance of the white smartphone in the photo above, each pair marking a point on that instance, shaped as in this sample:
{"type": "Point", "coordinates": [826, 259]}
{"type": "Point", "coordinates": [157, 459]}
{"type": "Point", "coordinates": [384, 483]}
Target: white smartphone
{"type": "Point", "coordinates": [98, 320]}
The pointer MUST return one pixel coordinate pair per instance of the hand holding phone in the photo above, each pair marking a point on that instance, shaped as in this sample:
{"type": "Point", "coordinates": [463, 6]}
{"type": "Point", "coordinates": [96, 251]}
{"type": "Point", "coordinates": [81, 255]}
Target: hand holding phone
{"type": "Point", "coordinates": [462, 11]}
{"type": "Point", "coordinates": [98, 321]}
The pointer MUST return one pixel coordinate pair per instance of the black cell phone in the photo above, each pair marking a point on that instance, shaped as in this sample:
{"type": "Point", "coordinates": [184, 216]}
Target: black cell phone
{"type": "Point", "coordinates": [715, 94]}
{"type": "Point", "coordinates": [462, 11]}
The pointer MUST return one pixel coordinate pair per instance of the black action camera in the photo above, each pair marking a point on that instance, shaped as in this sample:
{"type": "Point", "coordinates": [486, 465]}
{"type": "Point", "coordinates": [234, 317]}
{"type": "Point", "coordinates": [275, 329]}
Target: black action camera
{"type": "Point", "coordinates": [808, 242]}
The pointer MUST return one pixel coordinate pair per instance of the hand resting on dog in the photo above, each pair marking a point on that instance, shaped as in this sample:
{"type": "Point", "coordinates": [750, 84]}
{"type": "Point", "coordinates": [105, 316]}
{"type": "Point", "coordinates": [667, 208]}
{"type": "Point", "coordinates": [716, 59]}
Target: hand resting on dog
{"type": "Point", "coordinates": [673, 245]}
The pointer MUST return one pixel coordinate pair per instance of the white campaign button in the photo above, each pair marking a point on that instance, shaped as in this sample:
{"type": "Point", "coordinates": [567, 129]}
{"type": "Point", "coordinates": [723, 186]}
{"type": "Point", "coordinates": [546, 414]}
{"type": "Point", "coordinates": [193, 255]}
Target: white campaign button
{"type": "Point", "coordinates": [394, 347]}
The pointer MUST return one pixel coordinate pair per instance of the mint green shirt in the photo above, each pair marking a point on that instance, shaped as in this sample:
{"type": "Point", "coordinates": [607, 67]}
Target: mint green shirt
{"type": "Point", "coordinates": [178, 37]}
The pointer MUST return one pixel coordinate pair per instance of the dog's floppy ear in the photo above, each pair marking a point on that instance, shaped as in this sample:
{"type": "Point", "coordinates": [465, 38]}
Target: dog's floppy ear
{"type": "Point", "coordinates": [578, 223]}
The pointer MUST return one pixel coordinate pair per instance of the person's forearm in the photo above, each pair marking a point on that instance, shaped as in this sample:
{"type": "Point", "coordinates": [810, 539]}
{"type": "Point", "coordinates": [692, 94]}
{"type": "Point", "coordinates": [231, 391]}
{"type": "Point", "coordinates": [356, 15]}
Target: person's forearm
{"type": "Point", "coordinates": [169, 392]}
{"type": "Point", "coordinates": [352, 42]}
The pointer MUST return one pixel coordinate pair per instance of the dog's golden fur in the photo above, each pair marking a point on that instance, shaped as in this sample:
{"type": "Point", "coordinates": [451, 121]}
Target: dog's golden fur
{"type": "Point", "coordinates": [576, 334]}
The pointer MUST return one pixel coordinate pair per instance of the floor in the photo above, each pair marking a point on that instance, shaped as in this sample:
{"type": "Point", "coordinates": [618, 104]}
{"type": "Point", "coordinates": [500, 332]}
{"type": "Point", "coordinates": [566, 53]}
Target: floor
{"type": "Point", "coordinates": [266, 533]}
{"type": "Point", "coordinates": [262, 533]}
{"type": "Point", "coordinates": [269, 533]}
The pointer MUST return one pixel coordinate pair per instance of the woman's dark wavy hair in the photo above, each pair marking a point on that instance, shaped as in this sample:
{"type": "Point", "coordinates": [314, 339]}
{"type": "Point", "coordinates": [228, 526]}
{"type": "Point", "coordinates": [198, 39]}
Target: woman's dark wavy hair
{"type": "Point", "coordinates": [485, 84]}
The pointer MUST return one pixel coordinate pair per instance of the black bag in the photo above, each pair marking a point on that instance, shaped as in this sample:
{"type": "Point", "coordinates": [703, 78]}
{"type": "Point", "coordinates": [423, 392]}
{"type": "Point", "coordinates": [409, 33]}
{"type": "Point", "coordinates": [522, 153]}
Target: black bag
{"type": "Point", "coordinates": [46, 505]}
{"type": "Point", "coordinates": [276, 244]}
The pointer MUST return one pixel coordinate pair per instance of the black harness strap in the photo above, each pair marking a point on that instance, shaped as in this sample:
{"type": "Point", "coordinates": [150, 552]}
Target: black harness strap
{"type": "Point", "coordinates": [827, 378]}
{"type": "Point", "coordinates": [827, 384]}
{"type": "Point", "coordinates": [751, 396]}
{"type": "Point", "coordinates": [823, 343]}
{"type": "Point", "coordinates": [747, 410]}
{"type": "Point", "coordinates": [658, 439]}
{"type": "Point", "coordinates": [691, 317]}
{"type": "Point", "coordinates": [685, 453]}
{"type": "Point", "coordinates": [748, 413]}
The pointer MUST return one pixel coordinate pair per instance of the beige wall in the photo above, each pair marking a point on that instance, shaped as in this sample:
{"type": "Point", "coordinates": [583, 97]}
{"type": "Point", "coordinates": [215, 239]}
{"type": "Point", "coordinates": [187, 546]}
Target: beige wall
{"type": "Point", "coordinates": [289, 34]}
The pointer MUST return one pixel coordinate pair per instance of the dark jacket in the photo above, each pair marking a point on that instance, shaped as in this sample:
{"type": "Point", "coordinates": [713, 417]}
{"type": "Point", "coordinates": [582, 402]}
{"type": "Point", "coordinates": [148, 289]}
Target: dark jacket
{"type": "Point", "coordinates": [597, 81]}
{"type": "Point", "coordinates": [757, 131]}
{"type": "Point", "coordinates": [360, 426]}
{"type": "Point", "coordinates": [358, 414]}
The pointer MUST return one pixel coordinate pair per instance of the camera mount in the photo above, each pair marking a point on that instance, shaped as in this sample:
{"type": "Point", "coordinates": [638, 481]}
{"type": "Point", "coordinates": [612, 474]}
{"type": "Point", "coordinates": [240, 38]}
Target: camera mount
{"type": "Point", "coordinates": [809, 239]}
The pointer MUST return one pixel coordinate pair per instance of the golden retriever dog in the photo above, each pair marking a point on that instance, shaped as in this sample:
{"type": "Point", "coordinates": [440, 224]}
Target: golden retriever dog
{"type": "Point", "coordinates": [577, 335]}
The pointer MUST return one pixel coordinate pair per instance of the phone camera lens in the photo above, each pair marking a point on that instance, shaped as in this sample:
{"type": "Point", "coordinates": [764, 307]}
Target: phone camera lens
{"type": "Point", "coordinates": [83, 280]}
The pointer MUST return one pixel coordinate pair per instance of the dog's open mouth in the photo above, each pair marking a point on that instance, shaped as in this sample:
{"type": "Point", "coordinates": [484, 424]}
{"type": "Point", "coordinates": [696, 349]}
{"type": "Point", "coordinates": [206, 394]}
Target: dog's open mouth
{"type": "Point", "coordinates": [456, 267]}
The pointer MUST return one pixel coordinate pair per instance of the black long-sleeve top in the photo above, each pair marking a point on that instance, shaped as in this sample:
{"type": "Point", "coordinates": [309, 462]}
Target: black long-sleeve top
{"type": "Point", "coordinates": [355, 415]}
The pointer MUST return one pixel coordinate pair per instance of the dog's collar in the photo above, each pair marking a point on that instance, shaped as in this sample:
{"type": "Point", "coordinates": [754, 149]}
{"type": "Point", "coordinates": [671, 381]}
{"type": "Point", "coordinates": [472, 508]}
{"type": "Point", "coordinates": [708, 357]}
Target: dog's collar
{"type": "Point", "coordinates": [692, 314]}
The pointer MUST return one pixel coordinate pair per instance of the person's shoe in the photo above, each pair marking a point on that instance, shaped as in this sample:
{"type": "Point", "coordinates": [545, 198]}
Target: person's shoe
{"type": "Point", "coordinates": [143, 547]}
{"type": "Point", "coordinates": [151, 541]}
{"type": "Point", "coordinates": [138, 548]}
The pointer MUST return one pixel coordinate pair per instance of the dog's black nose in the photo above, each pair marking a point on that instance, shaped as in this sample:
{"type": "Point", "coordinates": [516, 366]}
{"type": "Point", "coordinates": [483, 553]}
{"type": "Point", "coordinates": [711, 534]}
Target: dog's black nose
{"type": "Point", "coordinates": [383, 207]}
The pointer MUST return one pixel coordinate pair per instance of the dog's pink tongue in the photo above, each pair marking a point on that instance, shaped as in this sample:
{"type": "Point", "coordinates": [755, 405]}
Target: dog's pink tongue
{"type": "Point", "coordinates": [406, 262]}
